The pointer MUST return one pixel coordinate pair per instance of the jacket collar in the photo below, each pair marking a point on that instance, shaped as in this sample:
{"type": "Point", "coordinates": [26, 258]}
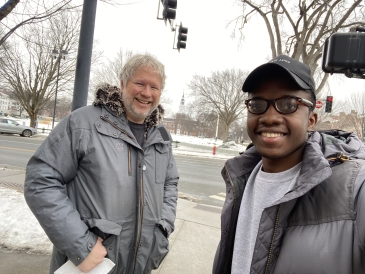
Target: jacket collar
{"type": "Point", "coordinates": [315, 166]}
{"type": "Point", "coordinates": [111, 97]}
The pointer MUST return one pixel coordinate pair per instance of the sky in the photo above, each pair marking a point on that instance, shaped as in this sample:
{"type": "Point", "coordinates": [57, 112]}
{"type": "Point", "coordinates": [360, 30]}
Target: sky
{"type": "Point", "coordinates": [210, 46]}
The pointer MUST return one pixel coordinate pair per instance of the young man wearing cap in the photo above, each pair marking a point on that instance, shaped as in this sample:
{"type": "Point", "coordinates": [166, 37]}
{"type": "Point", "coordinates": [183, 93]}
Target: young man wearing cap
{"type": "Point", "coordinates": [295, 199]}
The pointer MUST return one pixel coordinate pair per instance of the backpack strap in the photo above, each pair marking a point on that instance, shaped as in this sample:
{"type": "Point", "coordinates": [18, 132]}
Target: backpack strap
{"type": "Point", "coordinates": [164, 134]}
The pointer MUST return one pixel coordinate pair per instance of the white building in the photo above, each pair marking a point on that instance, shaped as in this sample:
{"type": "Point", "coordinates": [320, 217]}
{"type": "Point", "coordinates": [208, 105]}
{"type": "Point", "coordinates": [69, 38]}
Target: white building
{"type": "Point", "coordinates": [7, 105]}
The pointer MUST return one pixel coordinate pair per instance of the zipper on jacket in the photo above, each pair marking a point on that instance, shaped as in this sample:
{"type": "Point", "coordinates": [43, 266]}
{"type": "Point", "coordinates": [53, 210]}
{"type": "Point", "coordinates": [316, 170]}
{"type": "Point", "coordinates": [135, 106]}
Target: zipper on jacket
{"type": "Point", "coordinates": [272, 239]}
{"type": "Point", "coordinates": [141, 205]}
{"type": "Point", "coordinates": [129, 160]}
{"type": "Point", "coordinates": [141, 196]}
{"type": "Point", "coordinates": [118, 128]}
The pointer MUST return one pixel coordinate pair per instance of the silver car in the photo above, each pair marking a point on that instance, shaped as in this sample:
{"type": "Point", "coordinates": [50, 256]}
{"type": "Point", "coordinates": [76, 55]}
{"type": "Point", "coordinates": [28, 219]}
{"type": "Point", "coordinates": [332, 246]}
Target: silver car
{"type": "Point", "coordinates": [11, 126]}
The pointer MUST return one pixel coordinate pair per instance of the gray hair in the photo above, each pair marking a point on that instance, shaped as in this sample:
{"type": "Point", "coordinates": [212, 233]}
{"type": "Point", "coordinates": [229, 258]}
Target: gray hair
{"type": "Point", "coordinates": [138, 61]}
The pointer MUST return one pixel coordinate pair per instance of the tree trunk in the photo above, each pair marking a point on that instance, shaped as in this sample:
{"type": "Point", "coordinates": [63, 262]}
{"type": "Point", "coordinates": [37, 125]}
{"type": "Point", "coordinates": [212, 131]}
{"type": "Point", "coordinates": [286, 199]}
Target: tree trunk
{"type": "Point", "coordinates": [225, 133]}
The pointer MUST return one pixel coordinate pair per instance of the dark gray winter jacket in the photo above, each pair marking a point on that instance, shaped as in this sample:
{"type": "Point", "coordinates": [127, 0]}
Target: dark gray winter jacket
{"type": "Point", "coordinates": [319, 227]}
{"type": "Point", "coordinates": [91, 178]}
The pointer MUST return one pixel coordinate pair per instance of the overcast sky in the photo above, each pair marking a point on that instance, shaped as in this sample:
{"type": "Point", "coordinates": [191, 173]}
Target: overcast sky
{"type": "Point", "coordinates": [210, 46]}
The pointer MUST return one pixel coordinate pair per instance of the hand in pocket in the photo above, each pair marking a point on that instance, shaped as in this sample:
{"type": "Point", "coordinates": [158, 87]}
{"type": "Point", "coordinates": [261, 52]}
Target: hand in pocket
{"type": "Point", "coordinates": [95, 257]}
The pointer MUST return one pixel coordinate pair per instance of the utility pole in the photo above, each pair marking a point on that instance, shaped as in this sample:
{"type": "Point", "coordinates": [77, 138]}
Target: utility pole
{"type": "Point", "coordinates": [82, 76]}
{"type": "Point", "coordinates": [216, 130]}
{"type": "Point", "coordinates": [57, 55]}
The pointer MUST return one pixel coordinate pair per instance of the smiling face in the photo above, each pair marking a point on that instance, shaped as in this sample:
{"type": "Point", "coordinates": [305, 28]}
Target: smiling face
{"type": "Point", "coordinates": [280, 138]}
{"type": "Point", "coordinates": [141, 95]}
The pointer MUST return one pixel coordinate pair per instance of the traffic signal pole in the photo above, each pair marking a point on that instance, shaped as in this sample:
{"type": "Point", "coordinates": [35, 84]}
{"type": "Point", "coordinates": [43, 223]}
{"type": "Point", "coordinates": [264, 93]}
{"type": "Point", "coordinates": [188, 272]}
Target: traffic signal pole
{"type": "Point", "coordinates": [82, 75]}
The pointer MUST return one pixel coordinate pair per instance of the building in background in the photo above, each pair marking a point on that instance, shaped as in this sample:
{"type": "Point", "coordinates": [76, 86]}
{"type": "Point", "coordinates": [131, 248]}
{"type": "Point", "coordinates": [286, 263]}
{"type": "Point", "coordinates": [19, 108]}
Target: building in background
{"type": "Point", "coordinates": [9, 106]}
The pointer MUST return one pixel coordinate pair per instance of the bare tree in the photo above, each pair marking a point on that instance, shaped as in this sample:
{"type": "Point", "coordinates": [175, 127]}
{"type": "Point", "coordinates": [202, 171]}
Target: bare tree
{"type": "Point", "coordinates": [347, 114]}
{"type": "Point", "coordinates": [221, 93]}
{"type": "Point", "coordinates": [64, 106]}
{"type": "Point", "coordinates": [354, 107]}
{"type": "Point", "coordinates": [18, 14]}
{"type": "Point", "coordinates": [299, 28]}
{"type": "Point", "coordinates": [28, 69]}
{"type": "Point", "coordinates": [205, 118]}
{"type": "Point", "coordinates": [110, 70]}
{"type": "Point", "coordinates": [21, 13]}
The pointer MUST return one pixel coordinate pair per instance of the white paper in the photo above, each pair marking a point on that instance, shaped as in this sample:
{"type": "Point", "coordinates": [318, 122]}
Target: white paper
{"type": "Point", "coordinates": [70, 268]}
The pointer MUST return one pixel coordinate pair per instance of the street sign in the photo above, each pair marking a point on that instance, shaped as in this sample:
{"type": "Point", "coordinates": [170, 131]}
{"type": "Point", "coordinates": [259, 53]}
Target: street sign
{"type": "Point", "coordinates": [319, 104]}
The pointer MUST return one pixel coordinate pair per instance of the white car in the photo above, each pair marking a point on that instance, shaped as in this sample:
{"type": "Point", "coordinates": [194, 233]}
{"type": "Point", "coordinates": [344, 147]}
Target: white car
{"type": "Point", "coordinates": [8, 125]}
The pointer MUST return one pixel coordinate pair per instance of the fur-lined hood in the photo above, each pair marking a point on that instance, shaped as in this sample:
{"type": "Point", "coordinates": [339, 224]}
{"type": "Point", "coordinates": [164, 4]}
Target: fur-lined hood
{"type": "Point", "coordinates": [111, 97]}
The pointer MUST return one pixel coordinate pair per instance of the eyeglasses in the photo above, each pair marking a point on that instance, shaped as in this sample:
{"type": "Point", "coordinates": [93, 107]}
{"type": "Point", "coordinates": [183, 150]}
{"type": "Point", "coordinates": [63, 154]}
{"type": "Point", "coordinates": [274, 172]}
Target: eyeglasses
{"type": "Point", "coordinates": [284, 105]}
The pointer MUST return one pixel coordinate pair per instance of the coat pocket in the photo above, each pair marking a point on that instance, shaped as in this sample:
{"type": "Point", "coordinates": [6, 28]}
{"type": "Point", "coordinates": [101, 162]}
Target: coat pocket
{"type": "Point", "coordinates": [110, 233]}
{"type": "Point", "coordinates": [161, 162]}
{"type": "Point", "coordinates": [159, 249]}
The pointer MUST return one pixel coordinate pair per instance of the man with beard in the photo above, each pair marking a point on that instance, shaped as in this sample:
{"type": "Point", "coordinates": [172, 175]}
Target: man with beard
{"type": "Point", "coordinates": [104, 182]}
{"type": "Point", "coordinates": [295, 199]}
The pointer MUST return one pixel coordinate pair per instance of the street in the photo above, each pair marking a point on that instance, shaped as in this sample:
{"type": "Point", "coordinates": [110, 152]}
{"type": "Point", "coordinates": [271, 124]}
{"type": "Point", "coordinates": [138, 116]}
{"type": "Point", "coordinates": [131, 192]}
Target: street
{"type": "Point", "coordinates": [200, 179]}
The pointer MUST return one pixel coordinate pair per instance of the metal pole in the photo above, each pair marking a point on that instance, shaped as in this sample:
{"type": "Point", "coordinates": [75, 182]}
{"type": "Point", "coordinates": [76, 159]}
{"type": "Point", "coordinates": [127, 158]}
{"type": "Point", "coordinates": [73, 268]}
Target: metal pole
{"type": "Point", "coordinates": [55, 98]}
{"type": "Point", "coordinates": [82, 75]}
{"type": "Point", "coordinates": [216, 130]}
{"type": "Point", "coordinates": [363, 129]}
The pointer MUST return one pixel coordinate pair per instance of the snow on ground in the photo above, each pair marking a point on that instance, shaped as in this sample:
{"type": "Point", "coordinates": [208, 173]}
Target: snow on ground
{"type": "Point", "coordinates": [205, 148]}
{"type": "Point", "coordinates": [196, 140]}
{"type": "Point", "coordinates": [19, 229]}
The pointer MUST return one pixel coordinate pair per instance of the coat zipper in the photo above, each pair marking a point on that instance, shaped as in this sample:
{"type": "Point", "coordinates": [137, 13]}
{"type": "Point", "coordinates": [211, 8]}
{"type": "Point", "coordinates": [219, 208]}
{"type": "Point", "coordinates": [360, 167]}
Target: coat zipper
{"type": "Point", "coordinates": [129, 160]}
{"type": "Point", "coordinates": [118, 128]}
{"type": "Point", "coordinates": [272, 239]}
{"type": "Point", "coordinates": [141, 205]}
{"type": "Point", "coordinates": [141, 196]}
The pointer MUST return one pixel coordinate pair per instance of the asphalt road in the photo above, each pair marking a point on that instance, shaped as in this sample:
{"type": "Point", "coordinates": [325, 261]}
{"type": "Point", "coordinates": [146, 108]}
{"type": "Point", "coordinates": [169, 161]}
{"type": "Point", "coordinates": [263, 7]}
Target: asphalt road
{"type": "Point", "coordinates": [15, 151]}
{"type": "Point", "coordinates": [200, 179]}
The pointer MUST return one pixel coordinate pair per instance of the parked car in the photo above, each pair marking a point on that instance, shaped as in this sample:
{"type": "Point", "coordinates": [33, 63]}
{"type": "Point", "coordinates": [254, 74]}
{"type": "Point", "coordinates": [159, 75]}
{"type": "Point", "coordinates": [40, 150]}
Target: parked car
{"type": "Point", "coordinates": [11, 126]}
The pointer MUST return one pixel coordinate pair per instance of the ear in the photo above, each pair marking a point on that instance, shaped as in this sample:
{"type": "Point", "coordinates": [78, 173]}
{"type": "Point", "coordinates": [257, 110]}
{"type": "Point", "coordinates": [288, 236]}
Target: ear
{"type": "Point", "coordinates": [121, 85]}
{"type": "Point", "coordinates": [312, 121]}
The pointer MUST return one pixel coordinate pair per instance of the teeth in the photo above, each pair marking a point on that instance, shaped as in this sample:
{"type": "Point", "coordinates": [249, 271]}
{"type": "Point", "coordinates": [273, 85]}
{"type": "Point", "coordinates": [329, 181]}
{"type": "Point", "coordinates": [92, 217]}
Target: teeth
{"type": "Point", "coordinates": [271, 134]}
{"type": "Point", "coordinates": [143, 102]}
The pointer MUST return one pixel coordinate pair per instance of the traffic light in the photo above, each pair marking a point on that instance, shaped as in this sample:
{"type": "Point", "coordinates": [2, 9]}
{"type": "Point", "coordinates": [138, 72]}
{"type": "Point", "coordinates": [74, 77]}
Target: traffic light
{"type": "Point", "coordinates": [182, 37]}
{"type": "Point", "coordinates": [329, 102]}
{"type": "Point", "coordinates": [169, 9]}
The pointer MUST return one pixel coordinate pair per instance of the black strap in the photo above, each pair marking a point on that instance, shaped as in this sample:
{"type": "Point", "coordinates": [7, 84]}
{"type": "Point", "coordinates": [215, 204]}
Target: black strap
{"type": "Point", "coordinates": [164, 134]}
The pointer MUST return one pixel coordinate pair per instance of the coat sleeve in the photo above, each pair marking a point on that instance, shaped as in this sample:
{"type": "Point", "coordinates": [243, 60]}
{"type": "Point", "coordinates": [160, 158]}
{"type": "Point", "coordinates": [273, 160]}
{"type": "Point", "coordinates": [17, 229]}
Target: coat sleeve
{"type": "Point", "coordinates": [170, 195]}
{"type": "Point", "coordinates": [360, 205]}
{"type": "Point", "coordinates": [54, 165]}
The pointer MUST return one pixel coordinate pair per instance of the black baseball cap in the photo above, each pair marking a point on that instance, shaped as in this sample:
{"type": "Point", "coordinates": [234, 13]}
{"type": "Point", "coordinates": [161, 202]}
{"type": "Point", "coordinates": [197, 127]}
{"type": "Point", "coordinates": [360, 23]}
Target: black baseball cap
{"type": "Point", "coordinates": [298, 71]}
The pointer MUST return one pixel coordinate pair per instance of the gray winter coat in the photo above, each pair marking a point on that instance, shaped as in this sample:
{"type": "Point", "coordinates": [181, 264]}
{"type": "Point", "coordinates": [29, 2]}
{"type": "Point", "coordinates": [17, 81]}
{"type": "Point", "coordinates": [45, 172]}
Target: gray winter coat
{"type": "Point", "coordinates": [91, 178]}
{"type": "Point", "coordinates": [319, 227]}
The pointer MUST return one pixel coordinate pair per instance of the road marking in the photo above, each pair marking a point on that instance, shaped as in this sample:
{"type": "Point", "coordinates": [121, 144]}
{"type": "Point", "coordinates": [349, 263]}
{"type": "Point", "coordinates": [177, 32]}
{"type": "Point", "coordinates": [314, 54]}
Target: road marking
{"type": "Point", "coordinates": [13, 148]}
{"type": "Point", "coordinates": [223, 194]}
{"type": "Point", "coordinates": [217, 197]}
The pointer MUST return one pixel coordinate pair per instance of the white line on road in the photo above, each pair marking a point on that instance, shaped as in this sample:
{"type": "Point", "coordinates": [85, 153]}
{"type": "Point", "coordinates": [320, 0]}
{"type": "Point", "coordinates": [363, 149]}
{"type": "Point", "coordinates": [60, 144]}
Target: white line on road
{"type": "Point", "coordinates": [217, 197]}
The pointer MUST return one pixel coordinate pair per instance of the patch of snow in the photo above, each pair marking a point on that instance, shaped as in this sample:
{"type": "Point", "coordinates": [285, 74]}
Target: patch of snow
{"type": "Point", "coordinates": [19, 229]}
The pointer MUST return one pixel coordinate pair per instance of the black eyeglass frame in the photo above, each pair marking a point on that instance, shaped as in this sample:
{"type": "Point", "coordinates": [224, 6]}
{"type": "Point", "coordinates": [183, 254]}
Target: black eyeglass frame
{"type": "Point", "coordinates": [299, 101]}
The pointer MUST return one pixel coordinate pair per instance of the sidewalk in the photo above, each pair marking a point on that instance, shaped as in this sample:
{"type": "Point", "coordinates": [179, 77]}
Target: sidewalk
{"type": "Point", "coordinates": [192, 244]}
